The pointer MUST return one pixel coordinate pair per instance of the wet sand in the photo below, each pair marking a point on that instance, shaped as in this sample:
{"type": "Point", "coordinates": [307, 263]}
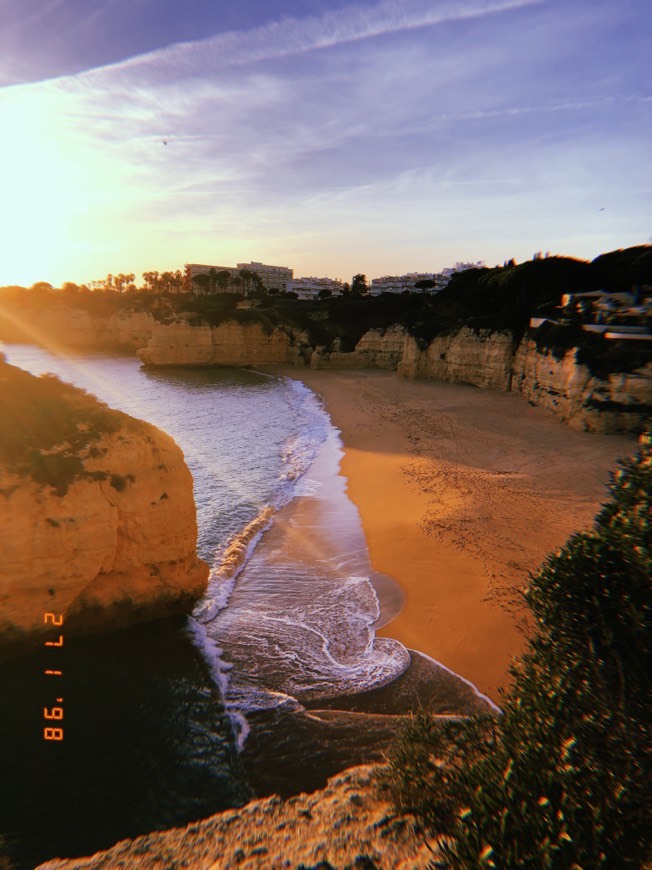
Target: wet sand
{"type": "Point", "coordinates": [461, 493]}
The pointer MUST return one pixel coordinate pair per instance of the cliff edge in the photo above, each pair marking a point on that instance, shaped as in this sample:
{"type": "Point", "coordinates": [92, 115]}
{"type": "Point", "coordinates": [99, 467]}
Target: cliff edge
{"type": "Point", "coordinates": [97, 514]}
{"type": "Point", "coordinates": [344, 825]}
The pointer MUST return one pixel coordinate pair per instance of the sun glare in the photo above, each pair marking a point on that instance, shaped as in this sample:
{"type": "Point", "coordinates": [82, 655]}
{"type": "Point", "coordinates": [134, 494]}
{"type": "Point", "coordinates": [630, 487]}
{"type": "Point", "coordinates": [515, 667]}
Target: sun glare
{"type": "Point", "coordinates": [37, 166]}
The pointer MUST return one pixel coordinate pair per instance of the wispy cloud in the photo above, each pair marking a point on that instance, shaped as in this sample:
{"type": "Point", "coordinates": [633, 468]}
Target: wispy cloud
{"type": "Point", "coordinates": [474, 120]}
{"type": "Point", "coordinates": [293, 36]}
{"type": "Point", "coordinates": [22, 22]}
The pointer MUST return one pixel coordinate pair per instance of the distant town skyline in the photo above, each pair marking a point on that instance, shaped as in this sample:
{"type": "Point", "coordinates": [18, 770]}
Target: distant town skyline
{"type": "Point", "coordinates": [334, 137]}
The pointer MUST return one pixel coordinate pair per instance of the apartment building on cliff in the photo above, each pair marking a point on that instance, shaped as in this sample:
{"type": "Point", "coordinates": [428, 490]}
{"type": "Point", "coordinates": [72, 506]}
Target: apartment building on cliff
{"type": "Point", "coordinates": [310, 288]}
{"type": "Point", "coordinates": [273, 277]}
{"type": "Point", "coordinates": [191, 270]}
{"type": "Point", "coordinates": [406, 283]}
{"type": "Point", "coordinates": [460, 267]}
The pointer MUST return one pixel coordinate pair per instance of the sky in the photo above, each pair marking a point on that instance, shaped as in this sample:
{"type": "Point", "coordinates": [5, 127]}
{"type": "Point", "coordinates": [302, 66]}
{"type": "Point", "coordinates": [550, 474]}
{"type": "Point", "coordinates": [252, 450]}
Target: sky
{"type": "Point", "coordinates": [333, 137]}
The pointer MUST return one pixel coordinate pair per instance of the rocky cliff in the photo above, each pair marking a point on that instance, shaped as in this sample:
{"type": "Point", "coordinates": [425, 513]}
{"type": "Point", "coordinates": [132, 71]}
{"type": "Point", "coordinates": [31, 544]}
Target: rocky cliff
{"type": "Point", "coordinates": [60, 326]}
{"type": "Point", "coordinates": [618, 402]}
{"type": "Point", "coordinates": [381, 349]}
{"type": "Point", "coordinates": [97, 515]}
{"type": "Point", "coordinates": [466, 357]}
{"type": "Point", "coordinates": [345, 825]}
{"type": "Point", "coordinates": [229, 344]}
{"type": "Point", "coordinates": [489, 360]}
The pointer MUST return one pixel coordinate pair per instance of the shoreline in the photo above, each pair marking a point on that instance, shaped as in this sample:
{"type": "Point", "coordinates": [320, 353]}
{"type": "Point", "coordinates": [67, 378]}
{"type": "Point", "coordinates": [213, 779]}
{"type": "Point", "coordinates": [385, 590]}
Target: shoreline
{"type": "Point", "coordinates": [461, 492]}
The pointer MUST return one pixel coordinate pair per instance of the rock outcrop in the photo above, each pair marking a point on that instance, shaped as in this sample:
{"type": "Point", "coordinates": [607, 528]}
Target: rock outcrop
{"type": "Point", "coordinates": [229, 344]}
{"type": "Point", "coordinates": [100, 527]}
{"type": "Point", "coordinates": [381, 349]}
{"type": "Point", "coordinates": [619, 402]}
{"type": "Point", "coordinates": [128, 328]}
{"type": "Point", "coordinates": [63, 327]}
{"type": "Point", "coordinates": [481, 359]}
{"type": "Point", "coordinates": [345, 824]}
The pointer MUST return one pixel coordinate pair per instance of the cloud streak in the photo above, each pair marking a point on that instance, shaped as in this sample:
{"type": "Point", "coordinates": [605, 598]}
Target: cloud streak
{"type": "Point", "coordinates": [321, 134]}
{"type": "Point", "coordinates": [294, 36]}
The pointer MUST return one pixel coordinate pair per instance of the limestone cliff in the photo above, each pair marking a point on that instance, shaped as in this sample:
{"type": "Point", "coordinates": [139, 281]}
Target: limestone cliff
{"type": "Point", "coordinates": [382, 349]}
{"type": "Point", "coordinates": [97, 515]}
{"type": "Point", "coordinates": [482, 359]}
{"type": "Point", "coordinates": [620, 402]}
{"type": "Point", "coordinates": [345, 825]}
{"type": "Point", "coordinates": [128, 328]}
{"type": "Point", "coordinates": [60, 326]}
{"type": "Point", "coordinates": [228, 344]}
{"type": "Point", "coordinates": [489, 360]}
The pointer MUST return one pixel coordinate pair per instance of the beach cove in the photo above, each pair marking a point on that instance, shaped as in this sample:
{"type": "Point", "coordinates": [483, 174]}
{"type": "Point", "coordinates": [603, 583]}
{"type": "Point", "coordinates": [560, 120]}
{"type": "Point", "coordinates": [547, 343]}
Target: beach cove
{"type": "Point", "coordinates": [461, 493]}
{"type": "Point", "coordinates": [381, 577]}
{"type": "Point", "coordinates": [501, 484]}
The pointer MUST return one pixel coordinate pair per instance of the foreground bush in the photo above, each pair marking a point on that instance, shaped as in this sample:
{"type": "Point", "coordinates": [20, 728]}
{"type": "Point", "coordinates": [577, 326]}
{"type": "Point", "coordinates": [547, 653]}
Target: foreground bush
{"type": "Point", "coordinates": [561, 779]}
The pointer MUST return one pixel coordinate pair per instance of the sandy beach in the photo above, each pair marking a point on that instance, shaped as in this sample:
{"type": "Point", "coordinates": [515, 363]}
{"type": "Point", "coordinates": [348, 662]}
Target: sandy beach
{"type": "Point", "coordinates": [461, 493]}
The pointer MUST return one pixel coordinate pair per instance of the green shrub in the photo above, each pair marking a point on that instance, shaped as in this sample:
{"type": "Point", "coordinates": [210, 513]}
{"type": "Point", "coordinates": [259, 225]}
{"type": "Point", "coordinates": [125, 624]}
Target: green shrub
{"type": "Point", "coordinates": [564, 781]}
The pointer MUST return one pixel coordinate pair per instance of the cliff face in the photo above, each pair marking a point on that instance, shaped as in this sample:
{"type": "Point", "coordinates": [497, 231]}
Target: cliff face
{"type": "Point", "coordinates": [487, 360]}
{"type": "Point", "coordinates": [114, 544]}
{"type": "Point", "coordinates": [376, 349]}
{"type": "Point", "coordinates": [466, 357]}
{"type": "Point", "coordinates": [127, 329]}
{"type": "Point", "coordinates": [67, 327]}
{"type": "Point", "coordinates": [483, 359]}
{"type": "Point", "coordinates": [345, 824]}
{"type": "Point", "coordinates": [230, 344]}
{"type": "Point", "coordinates": [619, 403]}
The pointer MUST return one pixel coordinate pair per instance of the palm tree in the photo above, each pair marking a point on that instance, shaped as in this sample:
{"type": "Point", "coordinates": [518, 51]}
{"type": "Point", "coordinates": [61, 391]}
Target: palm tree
{"type": "Point", "coordinates": [223, 279]}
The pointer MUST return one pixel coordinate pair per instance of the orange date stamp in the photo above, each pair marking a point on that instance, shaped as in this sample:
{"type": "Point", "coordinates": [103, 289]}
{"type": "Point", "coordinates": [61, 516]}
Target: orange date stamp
{"type": "Point", "coordinates": [54, 713]}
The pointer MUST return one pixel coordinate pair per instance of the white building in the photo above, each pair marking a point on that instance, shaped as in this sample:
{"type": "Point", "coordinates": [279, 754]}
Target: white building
{"type": "Point", "coordinates": [460, 267]}
{"type": "Point", "coordinates": [310, 288]}
{"type": "Point", "coordinates": [191, 270]}
{"type": "Point", "coordinates": [401, 283]}
{"type": "Point", "coordinates": [273, 277]}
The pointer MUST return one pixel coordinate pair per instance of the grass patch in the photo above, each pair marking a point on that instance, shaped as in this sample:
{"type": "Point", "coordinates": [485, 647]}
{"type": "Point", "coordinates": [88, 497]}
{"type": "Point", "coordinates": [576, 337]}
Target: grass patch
{"type": "Point", "coordinates": [49, 427]}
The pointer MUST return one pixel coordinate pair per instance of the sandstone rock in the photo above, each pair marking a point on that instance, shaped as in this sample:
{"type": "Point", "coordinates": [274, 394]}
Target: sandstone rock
{"type": "Point", "coordinates": [619, 403]}
{"type": "Point", "coordinates": [482, 359]}
{"type": "Point", "coordinates": [115, 545]}
{"type": "Point", "coordinates": [229, 344]}
{"type": "Point", "coordinates": [128, 328]}
{"type": "Point", "coordinates": [62, 326]}
{"type": "Point", "coordinates": [342, 824]}
{"type": "Point", "coordinates": [376, 349]}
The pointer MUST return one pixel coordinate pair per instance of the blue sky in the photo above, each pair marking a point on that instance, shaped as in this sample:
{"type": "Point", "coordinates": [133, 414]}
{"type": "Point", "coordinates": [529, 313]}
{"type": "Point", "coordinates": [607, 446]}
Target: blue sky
{"type": "Point", "coordinates": [333, 137]}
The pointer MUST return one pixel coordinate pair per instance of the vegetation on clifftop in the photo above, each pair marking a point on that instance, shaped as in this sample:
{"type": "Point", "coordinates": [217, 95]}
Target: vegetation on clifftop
{"type": "Point", "coordinates": [49, 427]}
{"type": "Point", "coordinates": [561, 779]}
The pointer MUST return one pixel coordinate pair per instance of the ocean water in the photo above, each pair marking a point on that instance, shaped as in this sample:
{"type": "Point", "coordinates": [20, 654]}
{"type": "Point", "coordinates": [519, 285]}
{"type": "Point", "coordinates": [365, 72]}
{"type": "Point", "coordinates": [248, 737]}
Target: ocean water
{"type": "Point", "coordinates": [169, 722]}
